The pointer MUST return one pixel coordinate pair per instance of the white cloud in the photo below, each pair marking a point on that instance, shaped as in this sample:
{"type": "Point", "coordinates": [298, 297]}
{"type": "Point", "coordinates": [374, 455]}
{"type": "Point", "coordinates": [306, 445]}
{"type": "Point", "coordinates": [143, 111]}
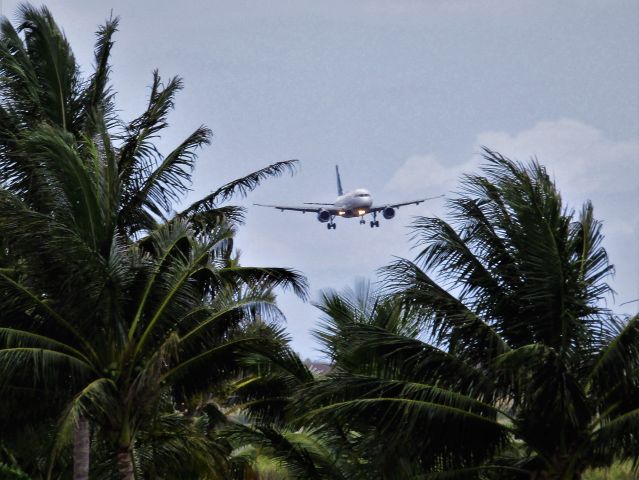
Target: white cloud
{"type": "Point", "coordinates": [579, 156]}
{"type": "Point", "coordinates": [421, 174]}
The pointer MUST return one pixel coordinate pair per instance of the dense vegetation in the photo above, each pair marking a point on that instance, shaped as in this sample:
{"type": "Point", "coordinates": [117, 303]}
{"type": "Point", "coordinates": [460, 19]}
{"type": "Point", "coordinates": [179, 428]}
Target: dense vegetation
{"type": "Point", "coordinates": [135, 344]}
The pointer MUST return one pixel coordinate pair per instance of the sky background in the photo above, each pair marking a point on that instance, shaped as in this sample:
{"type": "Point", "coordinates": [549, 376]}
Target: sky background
{"type": "Point", "coordinates": [401, 94]}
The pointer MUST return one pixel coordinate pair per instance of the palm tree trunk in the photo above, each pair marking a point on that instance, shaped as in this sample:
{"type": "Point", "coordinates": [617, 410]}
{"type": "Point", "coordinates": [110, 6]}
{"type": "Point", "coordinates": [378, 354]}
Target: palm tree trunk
{"type": "Point", "coordinates": [81, 449]}
{"type": "Point", "coordinates": [125, 464]}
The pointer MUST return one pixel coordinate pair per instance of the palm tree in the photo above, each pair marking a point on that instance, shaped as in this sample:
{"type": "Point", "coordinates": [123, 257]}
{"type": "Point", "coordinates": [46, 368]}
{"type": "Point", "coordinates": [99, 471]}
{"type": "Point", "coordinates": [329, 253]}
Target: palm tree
{"type": "Point", "coordinates": [497, 356]}
{"type": "Point", "coordinates": [89, 202]}
{"type": "Point", "coordinates": [159, 317]}
{"type": "Point", "coordinates": [381, 391]}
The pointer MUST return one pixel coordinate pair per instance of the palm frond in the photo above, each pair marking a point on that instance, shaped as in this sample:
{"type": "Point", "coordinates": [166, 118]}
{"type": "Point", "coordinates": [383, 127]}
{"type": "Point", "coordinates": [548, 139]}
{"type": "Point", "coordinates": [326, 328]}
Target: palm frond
{"type": "Point", "coordinates": [170, 180]}
{"type": "Point", "coordinates": [222, 354]}
{"type": "Point", "coordinates": [263, 278]}
{"type": "Point", "coordinates": [54, 66]}
{"type": "Point", "coordinates": [95, 400]}
{"type": "Point", "coordinates": [449, 253]}
{"type": "Point", "coordinates": [296, 454]}
{"type": "Point", "coordinates": [40, 367]}
{"type": "Point", "coordinates": [376, 351]}
{"type": "Point", "coordinates": [241, 186]}
{"type": "Point", "coordinates": [590, 259]}
{"type": "Point", "coordinates": [617, 438]}
{"type": "Point", "coordinates": [614, 373]}
{"type": "Point", "coordinates": [450, 321]}
{"type": "Point", "coordinates": [137, 155]}
{"type": "Point", "coordinates": [98, 93]}
{"type": "Point", "coordinates": [14, 338]}
{"type": "Point", "coordinates": [34, 301]}
{"type": "Point", "coordinates": [180, 445]}
{"type": "Point", "coordinates": [226, 312]}
{"type": "Point", "coordinates": [401, 410]}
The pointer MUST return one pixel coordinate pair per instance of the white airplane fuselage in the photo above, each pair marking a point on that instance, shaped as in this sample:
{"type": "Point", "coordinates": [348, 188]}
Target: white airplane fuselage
{"type": "Point", "coordinates": [355, 203]}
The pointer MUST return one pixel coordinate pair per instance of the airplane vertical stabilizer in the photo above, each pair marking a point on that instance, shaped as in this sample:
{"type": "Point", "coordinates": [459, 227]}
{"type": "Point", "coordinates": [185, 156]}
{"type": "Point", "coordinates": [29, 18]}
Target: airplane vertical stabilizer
{"type": "Point", "coordinates": [340, 192]}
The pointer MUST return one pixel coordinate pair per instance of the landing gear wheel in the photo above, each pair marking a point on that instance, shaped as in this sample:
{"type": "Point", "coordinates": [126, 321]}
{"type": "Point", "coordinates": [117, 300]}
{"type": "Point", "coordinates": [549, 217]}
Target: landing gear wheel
{"type": "Point", "coordinates": [331, 225]}
{"type": "Point", "coordinates": [328, 225]}
{"type": "Point", "coordinates": [374, 223]}
{"type": "Point", "coordinates": [362, 221]}
{"type": "Point", "coordinates": [377, 223]}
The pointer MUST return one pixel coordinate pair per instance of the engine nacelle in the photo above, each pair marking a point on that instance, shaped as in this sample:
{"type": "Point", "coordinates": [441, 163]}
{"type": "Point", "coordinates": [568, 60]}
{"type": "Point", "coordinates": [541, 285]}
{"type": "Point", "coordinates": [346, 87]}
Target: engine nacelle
{"type": "Point", "coordinates": [323, 216]}
{"type": "Point", "coordinates": [388, 213]}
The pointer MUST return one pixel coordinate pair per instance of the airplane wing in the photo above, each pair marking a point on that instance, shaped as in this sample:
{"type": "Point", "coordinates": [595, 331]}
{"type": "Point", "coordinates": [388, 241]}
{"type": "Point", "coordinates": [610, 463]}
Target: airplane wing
{"type": "Point", "coordinates": [397, 205]}
{"type": "Point", "coordinates": [298, 209]}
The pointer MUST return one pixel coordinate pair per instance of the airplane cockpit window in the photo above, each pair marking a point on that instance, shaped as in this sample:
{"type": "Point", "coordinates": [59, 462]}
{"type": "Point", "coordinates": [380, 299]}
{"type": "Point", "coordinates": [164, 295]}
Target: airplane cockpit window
{"type": "Point", "coordinates": [362, 195]}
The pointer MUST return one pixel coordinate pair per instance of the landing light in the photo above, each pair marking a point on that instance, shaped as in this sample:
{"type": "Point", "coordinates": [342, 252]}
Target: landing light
{"type": "Point", "coordinates": [341, 212]}
{"type": "Point", "coordinates": [361, 212]}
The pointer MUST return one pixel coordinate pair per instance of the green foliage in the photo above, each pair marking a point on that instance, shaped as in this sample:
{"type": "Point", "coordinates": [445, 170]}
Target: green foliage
{"type": "Point", "coordinates": [8, 472]}
{"type": "Point", "coordinates": [491, 353]}
{"type": "Point", "coordinates": [619, 471]}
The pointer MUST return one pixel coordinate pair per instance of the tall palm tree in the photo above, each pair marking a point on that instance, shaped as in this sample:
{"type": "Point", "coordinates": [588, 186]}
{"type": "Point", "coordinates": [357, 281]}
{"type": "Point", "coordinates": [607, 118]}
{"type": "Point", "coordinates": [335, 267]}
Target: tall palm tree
{"type": "Point", "coordinates": [88, 194]}
{"type": "Point", "coordinates": [121, 320]}
{"type": "Point", "coordinates": [507, 361]}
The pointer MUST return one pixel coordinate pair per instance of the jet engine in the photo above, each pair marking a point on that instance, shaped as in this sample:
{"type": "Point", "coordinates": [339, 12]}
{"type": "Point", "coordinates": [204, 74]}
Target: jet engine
{"type": "Point", "coordinates": [323, 216]}
{"type": "Point", "coordinates": [388, 213]}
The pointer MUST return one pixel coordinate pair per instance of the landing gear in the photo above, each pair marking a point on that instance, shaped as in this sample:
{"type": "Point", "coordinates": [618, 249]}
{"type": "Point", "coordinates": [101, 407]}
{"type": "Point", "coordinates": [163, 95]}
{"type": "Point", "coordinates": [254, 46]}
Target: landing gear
{"type": "Point", "coordinates": [362, 221]}
{"type": "Point", "coordinates": [374, 221]}
{"type": "Point", "coordinates": [331, 225]}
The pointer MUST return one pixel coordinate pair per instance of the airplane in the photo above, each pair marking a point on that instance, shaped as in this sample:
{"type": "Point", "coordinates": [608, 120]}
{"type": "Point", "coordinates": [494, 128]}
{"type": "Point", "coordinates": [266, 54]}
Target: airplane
{"type": "Point", "coordinates": [356, 203]}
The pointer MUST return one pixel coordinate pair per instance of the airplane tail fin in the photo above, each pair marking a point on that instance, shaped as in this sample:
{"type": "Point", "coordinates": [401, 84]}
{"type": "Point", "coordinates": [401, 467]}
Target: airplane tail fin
{"type": "Point", "coordinates": [339, 182]}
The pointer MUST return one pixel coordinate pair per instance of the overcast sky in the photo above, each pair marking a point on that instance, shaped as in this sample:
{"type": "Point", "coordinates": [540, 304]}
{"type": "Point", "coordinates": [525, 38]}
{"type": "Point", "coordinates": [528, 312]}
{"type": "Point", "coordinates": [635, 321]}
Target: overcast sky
{"type": "Point", "coordinates": [401, 94]}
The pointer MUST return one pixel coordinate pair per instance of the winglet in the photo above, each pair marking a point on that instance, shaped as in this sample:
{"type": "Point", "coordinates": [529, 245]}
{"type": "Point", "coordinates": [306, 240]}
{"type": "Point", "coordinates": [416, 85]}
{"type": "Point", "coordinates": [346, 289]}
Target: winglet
{"type": "Point", "coordinates": [339, 182]}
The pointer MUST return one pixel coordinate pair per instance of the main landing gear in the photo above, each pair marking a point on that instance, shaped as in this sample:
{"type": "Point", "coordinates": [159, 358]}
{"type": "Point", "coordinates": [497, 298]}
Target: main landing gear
{"type": "Point", "coordinates": [374, 221]}
{"type": "Point", "coordinates": [331, 225]}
